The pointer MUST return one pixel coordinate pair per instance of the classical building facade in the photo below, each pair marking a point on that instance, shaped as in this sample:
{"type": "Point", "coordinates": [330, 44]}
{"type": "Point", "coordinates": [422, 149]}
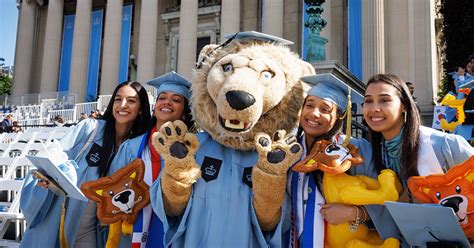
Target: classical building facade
{"type": "Point", "coordinates": [86, 47]}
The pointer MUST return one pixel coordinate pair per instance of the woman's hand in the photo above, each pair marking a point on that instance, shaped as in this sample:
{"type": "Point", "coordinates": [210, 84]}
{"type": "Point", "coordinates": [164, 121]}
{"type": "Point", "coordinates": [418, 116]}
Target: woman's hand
{"type": "Point", "coordinates": [336, 214]}
{"type": "Point", "coordinates": [43, 184]}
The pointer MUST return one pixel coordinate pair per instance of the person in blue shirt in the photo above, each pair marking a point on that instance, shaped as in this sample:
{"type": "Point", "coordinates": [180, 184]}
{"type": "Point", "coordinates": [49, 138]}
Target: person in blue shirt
{"type": "Point", "coordinates": [93, 145]}
{"type": "Point", "coordinates": [322, 117]}
{"type": "Point", "coordinates": [402, 144]}
{"type": "Point", "coordinates": [172, 104]}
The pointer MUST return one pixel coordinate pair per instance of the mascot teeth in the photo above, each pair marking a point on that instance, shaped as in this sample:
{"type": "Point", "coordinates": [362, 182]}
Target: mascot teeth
{"type": "Point", "coordinates": [234, 125]}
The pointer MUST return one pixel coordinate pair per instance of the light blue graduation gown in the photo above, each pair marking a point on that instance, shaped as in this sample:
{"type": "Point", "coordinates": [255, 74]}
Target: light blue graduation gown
{"type": "Point", "coordinates": [450, 150]}
{"type": "Point", "coordinates": [220, 211]}
{"type": "Point", "coordinates": [42, 208]}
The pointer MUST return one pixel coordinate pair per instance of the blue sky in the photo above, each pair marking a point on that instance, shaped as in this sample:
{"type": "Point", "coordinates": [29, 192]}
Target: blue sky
{"type": "Point", "coordinates": [8, 26]}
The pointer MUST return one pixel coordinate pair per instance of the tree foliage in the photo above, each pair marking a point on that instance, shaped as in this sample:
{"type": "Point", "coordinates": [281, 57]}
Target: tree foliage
{"type": "Point", "coordinates": [458, 33]}
{"type": "Point", "coordinates": [458, 29]}
{"type": "Point", "coordinates": [5, 84]}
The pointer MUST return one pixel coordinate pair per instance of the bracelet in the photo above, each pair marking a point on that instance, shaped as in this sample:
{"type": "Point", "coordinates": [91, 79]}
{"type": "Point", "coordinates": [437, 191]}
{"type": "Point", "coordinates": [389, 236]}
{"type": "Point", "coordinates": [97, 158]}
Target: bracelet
{"type": "Point", "coordinates": [366, 215]}
{"type": "Point", "coordinates": [353, 226]}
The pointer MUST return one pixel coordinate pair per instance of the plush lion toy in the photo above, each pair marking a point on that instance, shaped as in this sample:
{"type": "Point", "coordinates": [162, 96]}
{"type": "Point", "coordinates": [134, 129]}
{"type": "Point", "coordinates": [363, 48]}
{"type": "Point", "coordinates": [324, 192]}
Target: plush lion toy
{"type": "Point", "coordinates": [119, 198]}
{"type": "Point", "coordinates": [455, 189]}
{"type": "Point", "coordinates": [338, 187]}
{"type": "Point", "coordinates": [241, 90]}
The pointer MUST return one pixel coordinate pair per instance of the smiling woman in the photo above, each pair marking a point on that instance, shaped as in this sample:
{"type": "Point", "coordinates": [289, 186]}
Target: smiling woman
{"type": "Point", "coordinates": [402, 144]}
{"type": "Point", "coordinates": [171, 104]}
{"type": "Point", "coordinates": [92, 144]}
{"type": "Point", "coordinates": [321, 119]}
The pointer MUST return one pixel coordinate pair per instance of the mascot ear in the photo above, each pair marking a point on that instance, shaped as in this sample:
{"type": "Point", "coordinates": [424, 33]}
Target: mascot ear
{"type": "Point", "coordinates": [306, 69]}
{"type": "Point", "coordinates": [205, 54]}
{"type": "Point", "coordinates": [418, 189]}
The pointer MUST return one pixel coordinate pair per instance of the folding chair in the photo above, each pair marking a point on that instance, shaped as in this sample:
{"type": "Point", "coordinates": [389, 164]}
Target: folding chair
{"type": "Point", "coordinates": [11, 212]}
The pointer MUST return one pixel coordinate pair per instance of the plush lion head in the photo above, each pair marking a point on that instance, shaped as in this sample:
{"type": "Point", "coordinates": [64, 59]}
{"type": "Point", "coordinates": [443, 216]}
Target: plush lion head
{"type": "Point", "coordinates": [120, 196]}
{"type": "Point", "coordinates": [247, 87]}
{"type": "Point", "coordinates": [329, 157]}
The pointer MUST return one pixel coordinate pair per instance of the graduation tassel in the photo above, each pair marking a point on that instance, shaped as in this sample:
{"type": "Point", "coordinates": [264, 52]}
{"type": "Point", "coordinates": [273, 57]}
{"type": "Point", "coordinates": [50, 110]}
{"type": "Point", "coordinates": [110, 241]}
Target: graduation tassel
{"type": "Point", "coordinates": [62, 235]}
{"type": "Point", "coordinates": [348, 115]}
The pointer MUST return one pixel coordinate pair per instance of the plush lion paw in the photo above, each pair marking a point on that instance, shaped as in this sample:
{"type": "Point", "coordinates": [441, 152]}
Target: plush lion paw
{"type": "Point", "coordinates": [278, 154]}
{"type": "Point", "coordinates": [174, 139]}
{"type": "Point", "coordinates": [177, 147]}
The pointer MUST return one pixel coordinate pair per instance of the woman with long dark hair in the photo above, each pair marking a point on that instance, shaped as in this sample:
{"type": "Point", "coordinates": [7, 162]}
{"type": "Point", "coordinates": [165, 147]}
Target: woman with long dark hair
{"type": "Point", "coordinates": [401, 143]}
{"type": "Point", "coordinates": [324, 112]}
{"type": "Point", "coordinates": [58, 221]}
{"type": "Point", "coordinates": [172, 104]}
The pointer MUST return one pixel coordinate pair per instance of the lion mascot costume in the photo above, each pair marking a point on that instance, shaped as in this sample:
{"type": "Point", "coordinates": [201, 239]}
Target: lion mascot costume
{"type": "Point", "coordinates": [225, 186]}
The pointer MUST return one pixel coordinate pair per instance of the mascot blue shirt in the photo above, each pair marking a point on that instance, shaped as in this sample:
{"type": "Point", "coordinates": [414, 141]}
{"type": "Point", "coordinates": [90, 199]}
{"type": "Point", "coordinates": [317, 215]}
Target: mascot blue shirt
{"type": "Point", "coordinates": [220, 211]}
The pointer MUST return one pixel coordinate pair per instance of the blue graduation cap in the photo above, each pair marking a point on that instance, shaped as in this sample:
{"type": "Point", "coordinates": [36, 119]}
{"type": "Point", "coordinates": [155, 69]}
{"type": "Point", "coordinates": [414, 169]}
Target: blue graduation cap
{"type": "Point", "coordinates": [254, 35]}
{"type": "Point", "coordinates": [172, 82]}
{"type": "Point", "coordinates": [328, 87]}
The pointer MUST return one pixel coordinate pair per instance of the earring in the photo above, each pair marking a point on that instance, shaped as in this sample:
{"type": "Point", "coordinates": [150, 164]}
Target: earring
{"type": "Point", "coordinates": [404, 117]}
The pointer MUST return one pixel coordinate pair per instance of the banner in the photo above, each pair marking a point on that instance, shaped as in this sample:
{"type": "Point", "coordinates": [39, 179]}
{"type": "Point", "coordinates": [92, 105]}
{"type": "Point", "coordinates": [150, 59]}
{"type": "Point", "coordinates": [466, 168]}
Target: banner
{"type": "Point", "coordinates": [66, 53]}
{"type": "Point", "coordinates": [125, 42]}
{"type": "Point", "coordinates": [355, 37]}
{"type": "Point", "coordinates": [94, 55]}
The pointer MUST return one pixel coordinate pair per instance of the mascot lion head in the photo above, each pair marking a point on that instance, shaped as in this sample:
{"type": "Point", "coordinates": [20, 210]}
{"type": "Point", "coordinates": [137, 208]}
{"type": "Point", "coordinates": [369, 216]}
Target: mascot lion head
{"type": "Point", "coordinates": [247, 86]}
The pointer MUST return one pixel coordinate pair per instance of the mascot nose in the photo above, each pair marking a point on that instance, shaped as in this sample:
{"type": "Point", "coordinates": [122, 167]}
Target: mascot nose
{"type": "Point", "coordinates": [453, 203]}
{"type": "Point", "coordinates": [239, 100]}
{"type": "Point", "coordinates": [122, 197]}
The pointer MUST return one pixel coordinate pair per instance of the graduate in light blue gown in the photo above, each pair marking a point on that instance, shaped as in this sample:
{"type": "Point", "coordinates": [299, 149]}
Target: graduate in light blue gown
{"type": "Point", "coordinates": [172, 104]}
{"type": "Point", "coordinates": [322, 118]}
{"type": "Point", "coordinates": [400, 142]}
{"type": "Point", "coordinates": [92, 144]}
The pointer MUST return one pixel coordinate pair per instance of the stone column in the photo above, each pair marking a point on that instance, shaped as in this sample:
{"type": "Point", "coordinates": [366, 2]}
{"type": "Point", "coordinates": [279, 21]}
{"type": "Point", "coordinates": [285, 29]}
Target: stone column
{"type": "Point", "coordinates": [273, 17]}
{"type": "Point", "coordinates": [230, 17]}
{"type": "Point", "coordinates": [147, 41]}
{"type": "Point", "coordinates": [25, 41]}
{"type": "Point", "coordinates": [112, 38]}
{"type": "Point", "coordinates": [80, 49]}
{"type": "Point", "coordinates": [188, 19]}
{"type": "Point", "coordinates": [52, 47]}
{"type": "Point", "coordinates": [373, 52]}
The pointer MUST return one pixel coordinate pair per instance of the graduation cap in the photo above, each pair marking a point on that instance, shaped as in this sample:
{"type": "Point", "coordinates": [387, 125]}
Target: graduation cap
{"type": "Point", "coordinates": [172, 82]}
{"type": "Point", "coordinates": [329, 88]}
{"type": "Point", "coordinates": [254, 35]}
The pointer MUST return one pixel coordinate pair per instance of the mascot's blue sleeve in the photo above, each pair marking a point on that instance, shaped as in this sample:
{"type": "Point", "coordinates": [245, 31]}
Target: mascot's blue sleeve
{"type": "Point", "coordinates": [35, 201]}
{"type": "Point", "coordinates": [219, 212]}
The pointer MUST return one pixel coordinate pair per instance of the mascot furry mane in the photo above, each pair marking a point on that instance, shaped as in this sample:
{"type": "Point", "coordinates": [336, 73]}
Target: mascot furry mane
{"type": "Point", "coordinates": [258, 71]}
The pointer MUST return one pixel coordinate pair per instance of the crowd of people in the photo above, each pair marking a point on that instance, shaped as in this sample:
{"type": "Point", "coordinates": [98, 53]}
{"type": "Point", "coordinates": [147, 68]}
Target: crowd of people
{"type": "Point", "coordinates": [124, 132]}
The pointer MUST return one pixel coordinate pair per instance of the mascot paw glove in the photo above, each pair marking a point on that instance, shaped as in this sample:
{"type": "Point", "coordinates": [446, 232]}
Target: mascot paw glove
{"type": "Point", "coordinates": [177, 147]}
{"type": "Point", "coordinates": [278, 154]}
{"type": "Point", "coordinates": [269, 175]}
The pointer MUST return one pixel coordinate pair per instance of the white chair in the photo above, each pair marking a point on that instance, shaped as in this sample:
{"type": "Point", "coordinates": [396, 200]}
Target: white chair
{"type": "Point", "coordinates": [26, 137]}
{"type": "Point", "coordinates": [9, 138]}
{"type": "Point", "coordinates": [4, 148]}
{"type": "Point", "coordinates": [5, 163]}
{"type": "Point", "coordinates": [44, 136]}
{"type": "Point", "coordinates": [11, 212]}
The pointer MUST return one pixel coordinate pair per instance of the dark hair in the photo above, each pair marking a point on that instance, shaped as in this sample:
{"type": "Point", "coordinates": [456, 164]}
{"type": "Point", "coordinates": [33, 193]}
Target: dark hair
{"type": "Point", "coordinates": [140, 126]}
{"type": "Point", "coordinates": [410, 138]}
